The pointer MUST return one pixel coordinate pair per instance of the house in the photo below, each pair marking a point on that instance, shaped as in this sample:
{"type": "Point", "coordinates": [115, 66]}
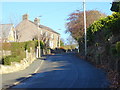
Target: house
{"type": "Point", "coordinates": [28, 30]}
{"type": "Point", "coordinates": [7, 33]}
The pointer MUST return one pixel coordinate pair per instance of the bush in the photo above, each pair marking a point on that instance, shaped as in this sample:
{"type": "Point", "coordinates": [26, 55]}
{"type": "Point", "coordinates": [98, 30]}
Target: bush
{"type": "Point", "coordinates": [6, 46]}
{"type": "Point", "coordinates": [118, 47]}
{"type": "Point", "coordinates": [12, 58]}
{"type": "Point", "coordinates": [18, 50]}
{"type": "Point", "coordinates": [42, 45]}
{"type": "Point", "coordinates": [28, 45]}
{"type": "Point", "coordinates": [113, 50]}
{"type": "Point", "coordinates": [109, 26]}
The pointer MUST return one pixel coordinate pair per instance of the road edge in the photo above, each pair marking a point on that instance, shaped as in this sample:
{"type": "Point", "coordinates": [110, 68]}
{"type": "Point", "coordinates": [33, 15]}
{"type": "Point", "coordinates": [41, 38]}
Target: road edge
{"type": "Point", "coordinates": [18, 82]}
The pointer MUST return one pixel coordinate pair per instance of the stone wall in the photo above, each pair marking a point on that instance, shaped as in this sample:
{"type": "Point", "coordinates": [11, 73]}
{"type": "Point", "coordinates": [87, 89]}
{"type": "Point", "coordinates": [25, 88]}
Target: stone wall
{"type": "Point", "coordinates": [15, 66]}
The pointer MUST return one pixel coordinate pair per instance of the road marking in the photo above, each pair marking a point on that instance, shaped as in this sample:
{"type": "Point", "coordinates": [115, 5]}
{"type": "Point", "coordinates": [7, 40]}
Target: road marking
{"type": "Point", "coordinates": [16, 83]}
{"type": "Point", "coordinates": [21, 80]}
{"type": "Point", "coordinates": [39, 67]}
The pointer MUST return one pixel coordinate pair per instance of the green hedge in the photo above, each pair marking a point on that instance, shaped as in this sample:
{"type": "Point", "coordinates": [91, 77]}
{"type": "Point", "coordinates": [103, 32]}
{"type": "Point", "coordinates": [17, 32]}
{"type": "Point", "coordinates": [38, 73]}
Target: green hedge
{"type": "Point", "coordinates": [118, 47]}
{"type": "Point", "coordinates": [109, 25]}
{"type": "Point", "coordinates": [113, 50]}
{"type": "Point", "coordinates": [11, 58]}
{"type": "Point", "coordinates": [18, 50]}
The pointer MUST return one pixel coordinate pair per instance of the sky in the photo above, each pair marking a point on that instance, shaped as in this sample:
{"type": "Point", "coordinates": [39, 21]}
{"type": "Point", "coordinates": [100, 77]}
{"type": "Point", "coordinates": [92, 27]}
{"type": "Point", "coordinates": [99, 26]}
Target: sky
{"type": "Point", "coordinates": [52, 14]}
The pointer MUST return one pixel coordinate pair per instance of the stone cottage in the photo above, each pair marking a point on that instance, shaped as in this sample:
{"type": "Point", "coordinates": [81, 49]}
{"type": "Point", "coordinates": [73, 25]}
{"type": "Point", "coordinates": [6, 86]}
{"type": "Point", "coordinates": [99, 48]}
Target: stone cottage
{"type": "Point", "coordinates": [28, 30]}
{"type": "Point", "coordinates": [7, 33]}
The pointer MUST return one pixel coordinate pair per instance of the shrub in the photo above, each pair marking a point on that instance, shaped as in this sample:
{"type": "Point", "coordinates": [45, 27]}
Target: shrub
{"type": "Point", "coordinates": [113, 50]}
{"type": "Point", "coordinates": [62, 47]}
{"type": "Point", "coordinates": [12, 58]}
{"type": "Point", "coordinates": [42, 45]}
{"type": "Point", "coordinates": [6, 46]}
{"type": "Point", "coordinates": [18, 50]}
{"type": "Point", "coordinates": [118, 47]}
{"type": "Point", "coordinates": [28, 45]}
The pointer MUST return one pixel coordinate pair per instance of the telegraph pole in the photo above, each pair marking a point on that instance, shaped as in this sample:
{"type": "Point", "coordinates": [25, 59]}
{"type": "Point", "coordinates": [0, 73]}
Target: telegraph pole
{"type": "Point", "coordinates": [85, 28]}
{"type": "Point", "coordinates": [39, 47]}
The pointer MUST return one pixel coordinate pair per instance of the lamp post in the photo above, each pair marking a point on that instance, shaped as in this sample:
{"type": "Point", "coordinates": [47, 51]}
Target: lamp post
{"type": "Point", "coordinates": [85, 28]}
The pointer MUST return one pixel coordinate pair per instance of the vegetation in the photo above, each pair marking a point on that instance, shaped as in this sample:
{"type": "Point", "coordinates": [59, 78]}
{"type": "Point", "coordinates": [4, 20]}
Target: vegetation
{"type": "Point", "coordinates": [118, 47]}
{"type": "Point", "coordinates": [115, 6]}
{"type": "Point", "coordinates": [68, 46]}
{"type": "Point", "coordinates": [75, 23]}
{"type": "Point", "coordinates": [11, 58]}
{"type": "Point", "coordinates": [108, 26]}
{"type": "Point", "coordinates": [104, 45]}
{"type": "Point", "coordinates": [103, 40]}
{"type": "Point", "coordinates": [18, 50]}
{"type": "Point", "coordinates": [61, 43]}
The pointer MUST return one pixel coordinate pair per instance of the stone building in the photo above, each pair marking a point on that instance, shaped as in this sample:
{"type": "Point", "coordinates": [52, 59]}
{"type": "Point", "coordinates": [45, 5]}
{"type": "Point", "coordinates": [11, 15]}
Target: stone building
{"type": "Point", "coordinates": [7, 33]}
{"type": "Point", "coordinates": [27, 30]}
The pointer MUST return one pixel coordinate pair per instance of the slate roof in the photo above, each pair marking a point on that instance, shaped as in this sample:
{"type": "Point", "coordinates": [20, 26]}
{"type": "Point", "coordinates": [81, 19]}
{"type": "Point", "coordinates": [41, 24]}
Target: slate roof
{"type": "Point", "coordinates": [47, 28]}
{"type": "Point", "coordinates": [5, 29]}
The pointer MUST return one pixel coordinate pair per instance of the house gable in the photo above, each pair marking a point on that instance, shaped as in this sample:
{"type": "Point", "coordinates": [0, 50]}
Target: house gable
{"type": "Point", "coordinates": [7, 33]}
{"type": "Point", "coordinates": [27, 30]}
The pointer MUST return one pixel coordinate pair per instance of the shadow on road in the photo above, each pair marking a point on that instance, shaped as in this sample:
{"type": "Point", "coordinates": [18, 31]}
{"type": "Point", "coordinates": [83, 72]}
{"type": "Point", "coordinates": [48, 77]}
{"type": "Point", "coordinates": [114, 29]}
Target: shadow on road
{"type": "Point", "coordinates": [65, 71]}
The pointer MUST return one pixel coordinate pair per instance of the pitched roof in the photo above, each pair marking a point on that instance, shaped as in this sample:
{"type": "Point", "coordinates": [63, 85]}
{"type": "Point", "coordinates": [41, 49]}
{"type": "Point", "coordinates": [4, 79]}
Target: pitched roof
{"type": "Point", "coordinates": [5, 29]}
{"type": "Point", "coordinates": [47, 28]}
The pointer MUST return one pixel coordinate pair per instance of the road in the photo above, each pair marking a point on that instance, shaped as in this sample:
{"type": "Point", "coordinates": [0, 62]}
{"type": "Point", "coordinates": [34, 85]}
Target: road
{"type": "Point", "coordinates": [66, 71]}
{"type": "Point", "coordinates": [16, 77]}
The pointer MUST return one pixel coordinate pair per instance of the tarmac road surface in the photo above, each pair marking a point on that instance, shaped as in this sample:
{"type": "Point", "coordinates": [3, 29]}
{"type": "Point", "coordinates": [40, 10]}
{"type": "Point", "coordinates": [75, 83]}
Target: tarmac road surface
{"type": "Point", "coordinates": [66, 71]}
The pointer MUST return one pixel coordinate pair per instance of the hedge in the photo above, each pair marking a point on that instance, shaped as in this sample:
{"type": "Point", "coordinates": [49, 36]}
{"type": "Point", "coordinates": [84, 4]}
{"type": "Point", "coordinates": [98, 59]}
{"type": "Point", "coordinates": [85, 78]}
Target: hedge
{"type": "Point", "coordinates": [18, 50]}
{"type": "Point", "coordinates": [118, 47]}
{"type": "Point", "coordinates": [11, 58]}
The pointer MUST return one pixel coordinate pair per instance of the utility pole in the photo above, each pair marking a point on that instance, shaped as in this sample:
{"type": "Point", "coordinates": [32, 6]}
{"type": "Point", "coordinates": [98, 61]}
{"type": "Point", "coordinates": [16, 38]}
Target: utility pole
{"type": "Point", "coordinates": [39, 48]}
{"type": "Point", "coordinates": [39, 51]}
{"type": "Point", "coordinates": [85, 28]}
{"type": "Point", "coordinates": [1, 45]}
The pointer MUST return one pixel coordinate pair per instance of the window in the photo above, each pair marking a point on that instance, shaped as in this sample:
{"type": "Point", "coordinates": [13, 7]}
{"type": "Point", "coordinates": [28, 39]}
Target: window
{"type": "Point", "coordinates": [51, 44]}
{"type": "Point", "coordinates": [46, 33]}
{"type": "Point", "coordinates": [41, 32]}
{"type": "Point", "coordinates": [52, 36]}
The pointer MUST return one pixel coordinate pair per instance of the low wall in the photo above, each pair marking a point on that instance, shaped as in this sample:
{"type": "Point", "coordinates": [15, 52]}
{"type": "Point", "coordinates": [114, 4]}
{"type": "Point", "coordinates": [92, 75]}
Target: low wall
{"type": "Point", "coordinates": [15, 66]}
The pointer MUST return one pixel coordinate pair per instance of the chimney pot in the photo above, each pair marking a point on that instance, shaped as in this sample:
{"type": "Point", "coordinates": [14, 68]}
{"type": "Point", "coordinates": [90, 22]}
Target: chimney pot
{"type": "Point", "coordinates": [37, 21]}
{"type": "Point", "coordinates": [25, 17]}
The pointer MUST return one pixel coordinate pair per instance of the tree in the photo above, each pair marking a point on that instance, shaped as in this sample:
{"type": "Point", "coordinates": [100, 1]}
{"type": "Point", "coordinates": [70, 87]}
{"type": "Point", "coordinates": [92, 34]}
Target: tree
{"type": "Point", "coordinates": [115, 6]}
{"type": "Point", "coordinates": [71, 42]}
{"type": "Point", "coordinates": [61, 42]}
{"type": "Point", "coordinates": [75, 23]}
{"type": "Point", "coordinates": [43, 38]}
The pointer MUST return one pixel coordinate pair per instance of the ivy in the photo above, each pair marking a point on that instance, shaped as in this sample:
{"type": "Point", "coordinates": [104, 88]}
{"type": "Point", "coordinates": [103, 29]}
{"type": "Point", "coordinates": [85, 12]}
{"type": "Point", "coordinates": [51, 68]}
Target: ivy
{"type": "Point", "coordinates": [109, 25]}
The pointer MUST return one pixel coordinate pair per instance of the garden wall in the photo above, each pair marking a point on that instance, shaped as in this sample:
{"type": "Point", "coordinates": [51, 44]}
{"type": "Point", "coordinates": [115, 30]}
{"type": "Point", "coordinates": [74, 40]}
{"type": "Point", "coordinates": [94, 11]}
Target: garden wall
{"type": "Point", "coordinates": [16, 66]}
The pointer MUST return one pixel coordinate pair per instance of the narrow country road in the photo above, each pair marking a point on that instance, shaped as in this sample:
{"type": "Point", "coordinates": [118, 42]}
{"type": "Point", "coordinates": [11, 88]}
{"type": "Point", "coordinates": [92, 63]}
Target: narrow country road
{"type": "Point", "coordinates": [66, 71]}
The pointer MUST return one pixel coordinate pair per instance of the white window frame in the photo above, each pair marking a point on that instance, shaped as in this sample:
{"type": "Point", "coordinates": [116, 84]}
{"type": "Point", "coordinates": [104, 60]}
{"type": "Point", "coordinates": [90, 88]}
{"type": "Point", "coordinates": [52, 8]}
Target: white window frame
{"type": "Point", "coordinates": [41, 32]}
{"type": "Point", "coordinates": [51, 44]}
{"type": "Point", "coordinates": [46, 34]}
{"type": "Point", "coordinates": [52, 36]}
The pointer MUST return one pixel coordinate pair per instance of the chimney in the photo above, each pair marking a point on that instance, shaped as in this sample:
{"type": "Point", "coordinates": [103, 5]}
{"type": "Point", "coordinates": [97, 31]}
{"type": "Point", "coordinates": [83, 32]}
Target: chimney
{"type": "Point", "coordinates": [25, 17]}
{"type": "Point", "coordinates": [37, 21]}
